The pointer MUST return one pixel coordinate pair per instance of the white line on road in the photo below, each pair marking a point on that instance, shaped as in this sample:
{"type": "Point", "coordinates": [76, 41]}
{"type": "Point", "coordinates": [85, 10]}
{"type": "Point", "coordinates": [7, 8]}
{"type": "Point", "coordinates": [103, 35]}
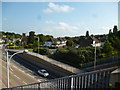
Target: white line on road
{"type": "Point", "coordinates": [4, 67]}
{"type": "Point", "coordinates": [39, 80]}
{"type": "Point", "coordinates": [24, 82]}
{"type": "Point", "coordinates": [16, 76]}
{"type": "Point", "coordinates": [11, 69]}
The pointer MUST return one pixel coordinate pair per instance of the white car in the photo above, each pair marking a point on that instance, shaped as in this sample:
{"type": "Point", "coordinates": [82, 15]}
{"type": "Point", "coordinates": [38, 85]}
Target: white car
{"type": "Point", "coordinates": [43, 72]}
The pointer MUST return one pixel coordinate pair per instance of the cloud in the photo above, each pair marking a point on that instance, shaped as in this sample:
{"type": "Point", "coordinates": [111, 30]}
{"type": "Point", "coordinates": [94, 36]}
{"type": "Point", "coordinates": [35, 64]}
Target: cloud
{"type": "Point", "coordinates": [49, 22]}
{"type": "Point", "coordinates": [52, 7]}
{"type": "Point", "coordinates": [64, 29]}
{"type": "Point", "coordinates": [65, 26]}
{"type": "Point", "coordinates": [106, 28]}
{"type": "Point", "coordinates": [103, 30]}
{"type": "Point", "coordinates": [61, 29]}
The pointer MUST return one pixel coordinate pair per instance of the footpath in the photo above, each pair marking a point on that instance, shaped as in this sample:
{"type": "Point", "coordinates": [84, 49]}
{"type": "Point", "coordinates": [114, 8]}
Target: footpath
{"type": "Point", "coordinates": [2, 84]}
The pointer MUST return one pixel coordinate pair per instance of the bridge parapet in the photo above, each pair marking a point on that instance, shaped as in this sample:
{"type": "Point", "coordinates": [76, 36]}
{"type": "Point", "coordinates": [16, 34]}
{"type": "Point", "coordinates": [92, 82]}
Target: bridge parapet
{"type": "Point", "coordinates": [96, 79]}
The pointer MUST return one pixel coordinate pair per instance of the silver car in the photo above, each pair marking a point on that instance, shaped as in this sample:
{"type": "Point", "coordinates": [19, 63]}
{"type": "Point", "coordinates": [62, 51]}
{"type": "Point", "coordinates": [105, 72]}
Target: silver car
{"type": "Point", "coordinates": [43, 72]}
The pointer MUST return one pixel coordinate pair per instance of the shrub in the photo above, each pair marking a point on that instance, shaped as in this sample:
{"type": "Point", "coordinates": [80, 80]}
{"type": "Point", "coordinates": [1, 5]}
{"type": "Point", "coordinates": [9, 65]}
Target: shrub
{"type": "Point", "coordinates": [43, 51]}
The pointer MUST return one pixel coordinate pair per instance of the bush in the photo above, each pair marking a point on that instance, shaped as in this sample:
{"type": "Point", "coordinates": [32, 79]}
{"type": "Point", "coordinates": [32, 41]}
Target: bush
{"type": "Point", "coordinates": [43, 51]}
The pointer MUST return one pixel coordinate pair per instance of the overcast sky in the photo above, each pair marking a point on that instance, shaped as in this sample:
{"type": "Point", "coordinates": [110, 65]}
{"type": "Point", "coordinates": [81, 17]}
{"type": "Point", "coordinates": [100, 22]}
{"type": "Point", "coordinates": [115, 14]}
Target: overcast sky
{"type": "Point", "coordinates": [59, 18]}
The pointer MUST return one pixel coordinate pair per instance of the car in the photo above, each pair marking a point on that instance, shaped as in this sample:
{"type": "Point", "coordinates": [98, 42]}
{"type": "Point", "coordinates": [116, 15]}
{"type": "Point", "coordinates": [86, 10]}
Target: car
{"type": "Point", "coordinates": [43, 72]}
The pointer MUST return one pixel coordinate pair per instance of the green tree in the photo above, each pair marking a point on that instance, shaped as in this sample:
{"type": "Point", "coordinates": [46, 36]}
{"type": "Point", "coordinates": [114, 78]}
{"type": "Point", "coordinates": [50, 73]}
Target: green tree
{"type": "Point", "coordinates": [107, 48]}
{"type": "Point", "coordinates": [18, 36]}
{"type": "Point", "coordinates": [70, 43]}
{"type": "Point", "coordinates": [31, 38]}
{"type": "Point", "coordinates": [87, 33]}
{"type": "Point", "coordinates": [115, 30]}
{"type": "Point", "coordinates": [110, 31]}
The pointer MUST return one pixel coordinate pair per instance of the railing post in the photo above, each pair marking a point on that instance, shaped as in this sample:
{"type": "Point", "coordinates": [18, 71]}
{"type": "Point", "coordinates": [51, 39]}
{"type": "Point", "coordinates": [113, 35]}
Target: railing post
{"type": "Point", "coordinates": [38, 86]}
{"type": "Point", "coordinates": [72, 83]}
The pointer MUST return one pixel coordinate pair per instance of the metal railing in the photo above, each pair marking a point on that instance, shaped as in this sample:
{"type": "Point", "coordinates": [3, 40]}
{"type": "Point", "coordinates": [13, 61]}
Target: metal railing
{"type": "Point", "coordinates": [95, 79]}
{"type": "Point", "coordinates": [107, 60]}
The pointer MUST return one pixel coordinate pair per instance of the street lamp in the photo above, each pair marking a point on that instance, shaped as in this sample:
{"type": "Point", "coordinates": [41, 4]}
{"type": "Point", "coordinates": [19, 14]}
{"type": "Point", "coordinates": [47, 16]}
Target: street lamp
{"type": "Point", "coordinates": [38, 44]}
{"type": "Point", "coordinates": [94, 43]}
{"type": "Point", "coordinates": [8, 64]}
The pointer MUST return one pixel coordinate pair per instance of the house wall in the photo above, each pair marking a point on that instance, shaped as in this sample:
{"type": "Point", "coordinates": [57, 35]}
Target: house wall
{"type": "Point", "coordinates": [97, 45]}
{"type": "Point", "coordinates": [48, 44]}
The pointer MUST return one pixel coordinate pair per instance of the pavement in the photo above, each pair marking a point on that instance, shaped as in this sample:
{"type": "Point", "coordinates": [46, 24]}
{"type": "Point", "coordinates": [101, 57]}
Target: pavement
{"type": "Point", "coordinates": [1, 81]}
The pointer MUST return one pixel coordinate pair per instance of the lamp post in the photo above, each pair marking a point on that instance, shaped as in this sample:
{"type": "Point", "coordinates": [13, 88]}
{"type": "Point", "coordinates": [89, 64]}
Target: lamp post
{"type": "Point", "coordinates": [38, 44]}
{"type": "Point", "coordinates": [8, 65]}
{"type": "Point", "coordinates": [94, 43]}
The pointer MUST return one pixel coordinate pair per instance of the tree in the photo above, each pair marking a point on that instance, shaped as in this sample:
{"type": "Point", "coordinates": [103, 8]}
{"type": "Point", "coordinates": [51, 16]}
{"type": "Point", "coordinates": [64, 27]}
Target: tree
{"type": "Point", "coordinates": [31, 38]}
{"type": "Point", "coordinates": [70, 43]}
{"type": "Point", "coordinates": [107, 48]}
{"type": "Point", "coordinates": [87, 33]}
{"type": "Point", "coordinates": [18, 36]}
{"type": "Point", "coordinates": [110, 31]}
{"type": "Point", "coordinates": [115, 30]}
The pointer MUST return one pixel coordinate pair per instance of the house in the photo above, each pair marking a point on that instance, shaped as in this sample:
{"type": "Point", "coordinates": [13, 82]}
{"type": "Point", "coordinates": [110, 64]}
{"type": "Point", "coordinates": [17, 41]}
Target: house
{"type": "Point", "coordinates": [55, 42]}
{"type": "Point", "coordinates": [2, 41]}
{"type": "Point", "coordinates": [89, 41]}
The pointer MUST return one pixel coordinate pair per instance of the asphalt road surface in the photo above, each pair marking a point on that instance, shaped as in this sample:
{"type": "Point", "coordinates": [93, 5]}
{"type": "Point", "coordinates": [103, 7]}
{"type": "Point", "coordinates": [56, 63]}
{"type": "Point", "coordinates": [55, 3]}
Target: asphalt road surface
{"type": "Point", "coordinates": [23, 60]}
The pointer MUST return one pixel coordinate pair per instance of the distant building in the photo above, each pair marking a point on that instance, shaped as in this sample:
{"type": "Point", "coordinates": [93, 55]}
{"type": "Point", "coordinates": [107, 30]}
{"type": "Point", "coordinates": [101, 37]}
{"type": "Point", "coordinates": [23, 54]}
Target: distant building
{"type": "Point", "coordinates": [55, 42]}
{"type": "Point", "coordinates": [89, 41]}
{"type": "Point", "coordinates": [2, 41]}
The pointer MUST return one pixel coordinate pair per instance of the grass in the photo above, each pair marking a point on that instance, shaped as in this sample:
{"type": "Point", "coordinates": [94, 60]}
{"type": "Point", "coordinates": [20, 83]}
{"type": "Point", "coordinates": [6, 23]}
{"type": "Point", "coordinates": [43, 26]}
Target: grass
{"type": "Point", "coordinates": [19, 48]}
{"type": "Point", "coordinates": [31, 50]}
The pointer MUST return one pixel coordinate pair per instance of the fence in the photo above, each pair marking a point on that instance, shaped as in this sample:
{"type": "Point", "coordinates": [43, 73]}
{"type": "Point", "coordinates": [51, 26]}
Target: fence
{"type": "Point", "coordinates": [108, 60]}
{"type": "Point", "coordinates": [95, 79]}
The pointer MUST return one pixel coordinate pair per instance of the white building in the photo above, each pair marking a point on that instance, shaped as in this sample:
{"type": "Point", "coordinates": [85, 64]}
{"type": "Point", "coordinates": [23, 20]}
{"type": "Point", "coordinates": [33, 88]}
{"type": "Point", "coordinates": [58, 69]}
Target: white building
{"type": "Point", "coordinates": [55, 42]}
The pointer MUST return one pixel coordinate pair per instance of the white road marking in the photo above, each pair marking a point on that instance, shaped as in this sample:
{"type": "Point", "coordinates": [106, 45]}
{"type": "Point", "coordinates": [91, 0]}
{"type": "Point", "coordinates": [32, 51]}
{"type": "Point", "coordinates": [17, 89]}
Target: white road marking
{"type": "Point", "coordinates": [39, 80]}
{"type": "Point", "coordinates": [11, 69]}
{"type": "Point", "coordinates": [24, 82]}
{"type": "Point", "coordinates": [16, 76]}
{"type": "Point", "coordinates": [4, 67]}
{"type": "Point", "coordinates": [23, 71]}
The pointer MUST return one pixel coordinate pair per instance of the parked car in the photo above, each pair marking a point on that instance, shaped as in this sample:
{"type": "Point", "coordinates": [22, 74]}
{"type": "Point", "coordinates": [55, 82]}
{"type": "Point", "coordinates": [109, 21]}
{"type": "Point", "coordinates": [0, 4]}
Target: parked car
{"type": "Point", "coordinates": [43, 72]}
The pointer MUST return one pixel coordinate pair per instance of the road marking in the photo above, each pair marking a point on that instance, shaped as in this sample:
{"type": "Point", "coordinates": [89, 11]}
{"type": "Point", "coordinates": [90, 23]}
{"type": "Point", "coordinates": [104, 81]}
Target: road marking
{"type": "Point", "coordinates": [16, 76]}
{"type": "Point", "coordinates": [39, 80]}
{"type": "Point", "coordinates": [24, 82]}
{"type": "Point", "coordinates": [3, 81]}
{"type": "Point", "coordinates": [11, 69]}
{"type": "Point", "coordinates": [4, 67]}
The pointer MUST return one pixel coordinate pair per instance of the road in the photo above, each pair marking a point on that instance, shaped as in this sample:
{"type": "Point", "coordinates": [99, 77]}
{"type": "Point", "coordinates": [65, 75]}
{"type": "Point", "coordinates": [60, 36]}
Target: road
{"type": "Point", "coordinates": [25, 60]}
{"type": "Point", "coordinates": [18, 75]}
{"type": "Point", "coordinates": [31, 66]}
{"type": "Point", "coordinates": [23, 72]}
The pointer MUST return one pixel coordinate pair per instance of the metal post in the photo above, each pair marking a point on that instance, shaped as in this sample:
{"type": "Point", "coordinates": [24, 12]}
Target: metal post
{"type": "Point", "coordinates": [95, 59]}
{"type": "Point", "coordinates": [14, 44]}
{"type": "Point", "coordinates": [8, 65]}
{"type": "Point", "coordinates": [71, 83]}
{"type": "Point", "coordinates": [38, 44]}
{"type": "Point", "coordinates": [7, 70]}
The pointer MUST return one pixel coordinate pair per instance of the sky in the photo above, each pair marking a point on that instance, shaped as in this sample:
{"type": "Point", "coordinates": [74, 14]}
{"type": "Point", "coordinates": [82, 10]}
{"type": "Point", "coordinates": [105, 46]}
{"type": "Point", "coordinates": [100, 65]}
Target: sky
{"type": "Point", "coordinates": [59, 19]}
